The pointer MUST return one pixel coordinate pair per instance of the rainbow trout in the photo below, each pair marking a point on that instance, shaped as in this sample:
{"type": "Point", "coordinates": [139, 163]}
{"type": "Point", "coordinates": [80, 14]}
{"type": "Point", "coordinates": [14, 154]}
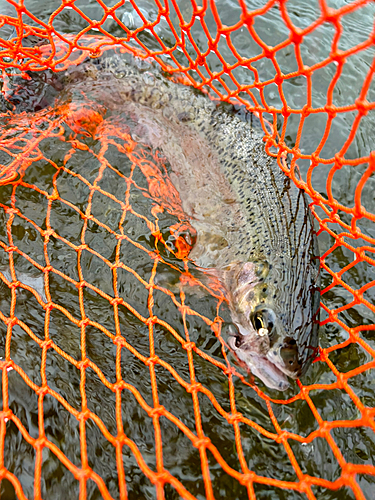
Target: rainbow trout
{"type": "Point", "coordinates": [254, 227]}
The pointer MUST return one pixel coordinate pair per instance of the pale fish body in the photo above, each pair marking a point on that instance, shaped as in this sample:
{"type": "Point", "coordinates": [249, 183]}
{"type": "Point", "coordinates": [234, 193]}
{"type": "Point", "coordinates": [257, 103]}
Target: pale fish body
{"type": "Point", "coordinates": [254, 226]}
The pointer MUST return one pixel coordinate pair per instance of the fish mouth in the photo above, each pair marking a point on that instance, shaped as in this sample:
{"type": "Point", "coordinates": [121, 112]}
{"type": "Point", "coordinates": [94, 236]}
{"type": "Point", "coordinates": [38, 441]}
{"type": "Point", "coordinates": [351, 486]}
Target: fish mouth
{"type": "Point", "coordinates": [271, 373]}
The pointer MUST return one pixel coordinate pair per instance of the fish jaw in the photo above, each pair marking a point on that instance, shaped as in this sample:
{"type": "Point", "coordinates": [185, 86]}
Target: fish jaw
{"type": "Point", "coordinates": [260, 366]}
{"type": "Point", "coordinates": [274, 361]}
{"type": "Point", "coordinates": [250, 346]}
{"type": "Point", "coordinates": [277, 334]}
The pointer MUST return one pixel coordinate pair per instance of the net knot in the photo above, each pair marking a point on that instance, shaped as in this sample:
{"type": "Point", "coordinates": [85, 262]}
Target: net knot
{"type": "Point", "coordinates": [279, 79]}
{"type": "Point", "coordinates": [314, 158]}
{"type": "Point", "coordinates": [296, 153]}
{"type": "Point", "coordinates": [339, 160]}
{"type": "Point", "coordinates": [367, 415]}
{"type": "Point", "coordinates": [296, 36]}
{"type": "Point", "coordinates": [116, 301]}
{"type": "Point", "coordinates": [247, 19]}
{"type": "Point", "coordinates": [46, 344]}
{"type": "Point", "coordinates": [330, 110]}
{"type": "Point", "coordinates": [83, 474]}
{"type": "Point", "coordinates": [201, 442]}
{"type": "Point", "coordinates": [282, 437]}
{"type": "Point", "coordinates": [40, 443]}
{"type": "Point", "coordinates": [119, 386]}
{"type": "Point", "coordinates": [14, 284]}
{"type": "Point", "coordinates": [188, 346]}
{"type": "Point", "coordinates": [306, 71]}
{"type": "Point", "coordinates": [157, 411]}
{"type": "Point", "coordinates": [47, 232]}
{"type": "Point", "coordinates": [354, 335]}
{"type": "Point", "coordinates": [362, 106]}
{"type": "Point", "coordinates": [233, 418]}
{"type": "Point", "coordinates": [303, 391]}
{"type": "Point", "coordinates": [340, 380]}
{"type": "Point", "coordinates": [360, 253]}
{"type": "Point", "coordinates": [6, 365]}
{"type": "Point", "coordinates": [84, 322]}
{"type": "Point", "coordinates": [330, 15]}
{"type": "Point", "coordinates": [83, 246]}
{"type": "Point", "coordinates": [305, 111]}
{"type": "Point", "coordinates": [324, 428]}
{"type": "Point", "coordinates": [338, 56]}
{"type": "Point", "coordinates": [357, 295]}
{"type": "Point", "coordinates": [119, 340]}
{"type": "Point", "coordinates": [54, 196]}
{"type": "Point", "coordinates": [163, 477]}
{"type": "Point", "coordinates": [152, 360]}
{"type": "Point", "coordinates": [21, 9]}
{"type": "Point", "coordinates": [268, 52]}
{"type": "Point", "coordinates": [199, 61]}
{"type": "Point", "coordinates": [11, 211]}
{"type": "Point", "coordinates": [285, 112]}
{"type": "Point", "coordinates": [11, 248]}
{"type": "Point", "coordinates": [48, 307]}
{"type": "Point", "coordinates": [194, 387]}
{"type": "Point", "coordinates": [347, 471]}
{"type": "Point", "coordinates": [119, 237]}
{"type": "Point", "coordinates": [84, 415]}
{"type": "Point", "coordinates": [229, 370]}
{"type": "Point", "coordinates": [6, 415]}
{"type": "Point", "coordinates": [11, 321]}
{"type": "Point", "coordinates": [151, 320]}
{"type": "Point", "coordinates": [247, 478]}
{"type": "Point", "coordinates": [42, 391]}
{"type": "Point", "coordinates": [95, 25]}
{"type": "Point", "coordinates": [83, 364]}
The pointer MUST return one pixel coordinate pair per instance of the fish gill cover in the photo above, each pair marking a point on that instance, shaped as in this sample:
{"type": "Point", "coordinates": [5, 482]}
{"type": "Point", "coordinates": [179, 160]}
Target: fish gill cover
{"type": "Point", "coordinates": [114, 384]}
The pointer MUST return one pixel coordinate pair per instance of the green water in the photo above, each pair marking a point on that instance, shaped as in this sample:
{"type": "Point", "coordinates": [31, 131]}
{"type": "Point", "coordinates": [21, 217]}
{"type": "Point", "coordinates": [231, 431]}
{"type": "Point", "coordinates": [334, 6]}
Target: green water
{"type": "Point", "coordinates": [262, 455]}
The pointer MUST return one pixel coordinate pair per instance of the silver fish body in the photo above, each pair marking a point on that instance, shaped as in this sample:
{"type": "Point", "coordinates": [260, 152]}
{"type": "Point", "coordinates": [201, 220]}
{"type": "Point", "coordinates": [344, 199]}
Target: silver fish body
{"type": "Point", "coordinates": [254, 226]}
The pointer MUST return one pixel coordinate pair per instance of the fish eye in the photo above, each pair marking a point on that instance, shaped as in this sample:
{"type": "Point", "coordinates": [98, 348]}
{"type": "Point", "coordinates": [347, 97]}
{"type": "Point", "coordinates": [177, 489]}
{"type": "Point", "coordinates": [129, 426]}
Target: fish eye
{"type": "Point", "coordinates": [263, 319]}
{"type": "Point", "coordinates": [258, 321]}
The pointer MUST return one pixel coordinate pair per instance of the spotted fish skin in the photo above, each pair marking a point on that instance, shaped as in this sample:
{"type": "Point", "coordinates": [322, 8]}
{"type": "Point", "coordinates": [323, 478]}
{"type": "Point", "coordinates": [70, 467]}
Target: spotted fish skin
{"type": "Point", "coordinates": [254, 226]}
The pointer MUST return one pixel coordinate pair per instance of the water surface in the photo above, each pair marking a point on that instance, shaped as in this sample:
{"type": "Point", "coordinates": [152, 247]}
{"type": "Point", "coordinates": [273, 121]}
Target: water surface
{"type": "Point", "coordinates": [72, 172]}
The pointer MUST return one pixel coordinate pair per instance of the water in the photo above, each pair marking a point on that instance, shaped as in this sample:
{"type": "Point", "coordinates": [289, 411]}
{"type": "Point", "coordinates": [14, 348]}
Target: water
{"type": "Point", "coordinates": [263, 455]}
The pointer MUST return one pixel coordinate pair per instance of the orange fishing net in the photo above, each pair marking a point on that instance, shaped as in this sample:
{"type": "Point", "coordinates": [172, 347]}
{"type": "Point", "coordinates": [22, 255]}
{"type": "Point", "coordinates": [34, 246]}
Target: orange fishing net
{"type": "Point", "coordinates": [127, 437]}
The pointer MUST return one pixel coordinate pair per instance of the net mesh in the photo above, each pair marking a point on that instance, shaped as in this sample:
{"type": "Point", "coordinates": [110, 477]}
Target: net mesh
{"type": "Point", "coordinates": [233, 58]}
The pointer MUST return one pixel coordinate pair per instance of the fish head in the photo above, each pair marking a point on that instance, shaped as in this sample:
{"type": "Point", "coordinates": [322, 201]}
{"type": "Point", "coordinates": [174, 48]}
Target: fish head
{"type": "Point", "coordinates": [277, 331]}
